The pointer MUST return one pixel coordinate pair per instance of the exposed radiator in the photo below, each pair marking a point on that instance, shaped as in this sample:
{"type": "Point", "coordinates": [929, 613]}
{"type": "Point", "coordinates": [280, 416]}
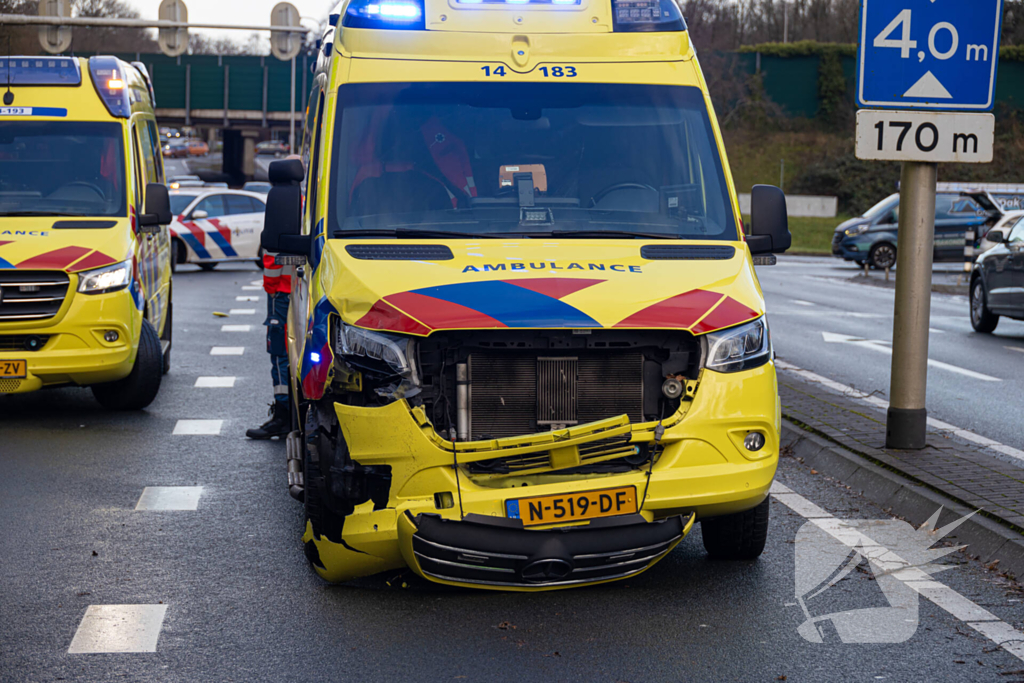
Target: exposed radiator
{"type": "Point", "coordinates": [520, 393]}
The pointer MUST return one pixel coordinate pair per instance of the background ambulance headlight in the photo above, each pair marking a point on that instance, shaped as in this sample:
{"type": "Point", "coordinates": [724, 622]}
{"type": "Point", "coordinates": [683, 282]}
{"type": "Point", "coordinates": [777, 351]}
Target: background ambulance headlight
{"type": "Point", "coordinates": [103, 280]}
{"type": "Point", "coordinates": [389, 14]}
{"type": "Point", "coordinates": [739, 348]}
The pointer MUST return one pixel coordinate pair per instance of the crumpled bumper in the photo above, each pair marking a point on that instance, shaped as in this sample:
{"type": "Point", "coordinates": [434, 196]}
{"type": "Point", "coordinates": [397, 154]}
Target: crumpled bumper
{"type": "Point", "coordinates": [490, 552]}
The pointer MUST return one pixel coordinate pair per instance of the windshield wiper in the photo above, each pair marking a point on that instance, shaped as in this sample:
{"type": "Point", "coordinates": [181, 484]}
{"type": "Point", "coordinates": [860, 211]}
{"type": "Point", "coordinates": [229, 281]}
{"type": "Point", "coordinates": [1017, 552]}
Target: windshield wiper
{"type": "Point", "coordinates": [610, 233]}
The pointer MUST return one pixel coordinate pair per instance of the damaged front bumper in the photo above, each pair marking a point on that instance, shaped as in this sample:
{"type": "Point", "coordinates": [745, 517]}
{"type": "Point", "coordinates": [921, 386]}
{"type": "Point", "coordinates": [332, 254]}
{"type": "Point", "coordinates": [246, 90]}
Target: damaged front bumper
{"type": "Point", "coordinates": [449, 524]}
{"type": "Point", "coordinates": [491, 552]}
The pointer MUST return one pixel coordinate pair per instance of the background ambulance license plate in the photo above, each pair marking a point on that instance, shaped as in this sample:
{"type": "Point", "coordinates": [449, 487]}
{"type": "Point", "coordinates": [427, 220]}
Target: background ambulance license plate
{"type": "Point", "coordinates": [18, 369]}
{"type": "Point", "coordinates": [573, 507]}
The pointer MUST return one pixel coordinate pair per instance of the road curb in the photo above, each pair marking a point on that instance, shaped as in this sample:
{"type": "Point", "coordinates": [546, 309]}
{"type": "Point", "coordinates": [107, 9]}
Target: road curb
{"type": "Point", "coordinates": [902, 495]}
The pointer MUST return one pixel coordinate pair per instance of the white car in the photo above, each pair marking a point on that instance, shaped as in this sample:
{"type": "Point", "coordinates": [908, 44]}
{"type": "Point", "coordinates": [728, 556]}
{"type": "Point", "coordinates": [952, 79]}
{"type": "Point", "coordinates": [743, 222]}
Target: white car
{"type": "Point", "coordinates": [215, 226]}
{"type": "Point", "coordinates": [1006, 223]}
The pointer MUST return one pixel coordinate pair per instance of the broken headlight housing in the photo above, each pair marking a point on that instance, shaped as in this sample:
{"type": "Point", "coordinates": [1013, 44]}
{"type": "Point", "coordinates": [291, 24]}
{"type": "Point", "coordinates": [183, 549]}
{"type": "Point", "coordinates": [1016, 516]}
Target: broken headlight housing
{"type": "Point", "coordinates": [389, 359]}
{"type": "Point", "coordinates": [739, 348]}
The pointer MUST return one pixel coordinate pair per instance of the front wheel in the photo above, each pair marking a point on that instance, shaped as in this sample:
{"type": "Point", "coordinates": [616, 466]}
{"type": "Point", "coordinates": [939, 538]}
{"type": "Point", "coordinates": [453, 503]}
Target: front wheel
{"type": "Point", "coordinates": [982, 319]}
{"type": "Point", "coordinates": [140, 387]}
{"type": "Point", "coordinates": [737, 537]}
{"type": "Point", "coordinates": [882, 256]}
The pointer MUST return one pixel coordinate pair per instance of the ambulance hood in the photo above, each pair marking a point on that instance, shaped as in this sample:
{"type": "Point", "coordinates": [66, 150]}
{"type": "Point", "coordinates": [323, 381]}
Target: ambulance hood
{"type": "Point", "coordinates": [428, 285]}
{"type": "Point", "coordinates": [60, 244]}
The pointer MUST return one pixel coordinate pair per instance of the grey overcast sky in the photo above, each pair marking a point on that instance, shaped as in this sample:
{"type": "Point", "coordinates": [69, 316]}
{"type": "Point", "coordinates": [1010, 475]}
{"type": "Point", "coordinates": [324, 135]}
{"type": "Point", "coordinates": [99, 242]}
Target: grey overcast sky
{"type": "Point", "coordinates": [252, 12]}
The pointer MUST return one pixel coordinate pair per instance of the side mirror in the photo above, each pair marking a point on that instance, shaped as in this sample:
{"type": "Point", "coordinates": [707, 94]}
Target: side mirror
{"type": "Point", "coordinates": [769, 221]}
{"type": "Point", "coordinates": [199, 215]}
{"type": "Point", "coordinates": [996, 236]}
{"type": "Point", "coordinates": [158, 209]}
{"type": "Point", "coordinates": [282, 221]}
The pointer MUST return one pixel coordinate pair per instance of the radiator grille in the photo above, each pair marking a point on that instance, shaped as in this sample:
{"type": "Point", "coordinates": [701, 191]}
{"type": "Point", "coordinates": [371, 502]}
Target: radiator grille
{"type": "Point", "coordinates": [31, 295]}
{"type": "Point", "coordinates": [512, 394]}
{"type": "Point", "coordinates": [556, 391]}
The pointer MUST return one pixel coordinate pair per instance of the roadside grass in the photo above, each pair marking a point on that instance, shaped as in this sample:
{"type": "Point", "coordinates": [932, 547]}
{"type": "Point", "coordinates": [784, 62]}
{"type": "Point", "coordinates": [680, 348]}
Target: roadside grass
{"type": "Point", "coordinates": [811, 235]}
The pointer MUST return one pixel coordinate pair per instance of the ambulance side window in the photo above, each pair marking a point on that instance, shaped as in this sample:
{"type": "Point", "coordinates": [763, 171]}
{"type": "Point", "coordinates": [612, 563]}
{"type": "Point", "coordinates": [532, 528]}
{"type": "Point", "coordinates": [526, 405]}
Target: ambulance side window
{"type": "Point", "coordinates": [154, 152]}
{"type": "Point", "coordinates": [149, 161]}
{"type": "Point", "coordinates": [313, 172]}
{"type": "Point", "coordinates": [137, 181]}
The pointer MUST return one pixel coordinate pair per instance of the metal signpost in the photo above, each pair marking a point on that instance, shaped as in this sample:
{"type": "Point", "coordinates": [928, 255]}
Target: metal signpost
{"type": "Point", "coordinates": [934, 63]}
{"type": "Point", "coordinates": [55, 39]}
{"type": "Point", "coordinates": [286, 46]}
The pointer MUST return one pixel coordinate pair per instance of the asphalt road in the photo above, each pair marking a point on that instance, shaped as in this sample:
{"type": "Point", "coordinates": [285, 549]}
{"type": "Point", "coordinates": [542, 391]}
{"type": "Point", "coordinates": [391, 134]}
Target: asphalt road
{"type": "Point", "coordinates": [823, 322]}
{"type": "Point", "coordinates": [240, 604]}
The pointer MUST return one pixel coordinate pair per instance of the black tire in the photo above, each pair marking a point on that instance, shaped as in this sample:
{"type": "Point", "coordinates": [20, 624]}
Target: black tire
{"type": "Point", "coordinates": [168, 337]}
{"type": "Point", "coordinates": [982, 319]}
{"type": "Point", "coordinates": [207, 266]}
{"type": "Point", "coordinates": [179, 254]}
{"type": "Point", "coordinates": [882, 256]}
{"type": "Point", "coordinates": [140, 387]}
{"type": "Point", "coordinates": [737, 537]}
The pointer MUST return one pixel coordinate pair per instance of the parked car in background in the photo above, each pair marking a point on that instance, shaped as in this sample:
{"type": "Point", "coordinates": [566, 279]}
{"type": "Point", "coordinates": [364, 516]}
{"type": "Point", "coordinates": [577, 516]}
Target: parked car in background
{"type": "Point", "coordinates": [198, 148]}
{"type": "Point", "coordinates": [872, 238]}
{"type": "Point", "coordinates": [1004, 224]}
{"type": "Point", "coordinates": [997, 280]}
{"type": "Point", "coordinates": [213, 226]}
{"type": "Point", "coordinates": [273, 148]}
{"type": "Point", "coordinates": [257, 186]}
{"type": "Point", "coordinates": [176, 150]}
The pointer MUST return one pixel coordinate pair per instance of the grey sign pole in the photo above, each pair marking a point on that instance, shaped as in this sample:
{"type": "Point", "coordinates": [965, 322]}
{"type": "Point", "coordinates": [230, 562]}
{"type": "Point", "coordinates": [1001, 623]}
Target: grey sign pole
{"type": "Point", "coordinates": [291, 113]}
{"type": "Point", "coordinates": [907, 419]}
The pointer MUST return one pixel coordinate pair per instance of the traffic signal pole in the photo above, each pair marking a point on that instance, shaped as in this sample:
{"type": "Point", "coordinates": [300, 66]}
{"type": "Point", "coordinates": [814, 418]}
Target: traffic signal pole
{"type": "Point", "coordinates": [907, 418]}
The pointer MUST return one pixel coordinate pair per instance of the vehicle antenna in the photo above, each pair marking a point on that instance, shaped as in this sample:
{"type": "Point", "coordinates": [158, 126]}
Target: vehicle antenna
{"type": "Point", "coordinates": [8, 96]}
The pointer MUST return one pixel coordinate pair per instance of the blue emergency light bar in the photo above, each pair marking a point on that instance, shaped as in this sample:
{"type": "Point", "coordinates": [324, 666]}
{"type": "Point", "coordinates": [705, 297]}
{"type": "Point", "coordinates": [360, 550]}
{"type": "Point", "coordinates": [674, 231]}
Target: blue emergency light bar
{"type": "Point", "coordinates": [40, 71]}
{"type": "Point", "coordinates": [628, 16]}
{"type": "Point", "coordinates": [112, 85]}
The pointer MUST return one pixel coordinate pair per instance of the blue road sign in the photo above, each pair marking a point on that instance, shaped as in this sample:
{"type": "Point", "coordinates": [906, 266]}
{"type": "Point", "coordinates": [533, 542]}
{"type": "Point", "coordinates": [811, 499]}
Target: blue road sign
{"type": "Point", "coordinates": [928, 54]}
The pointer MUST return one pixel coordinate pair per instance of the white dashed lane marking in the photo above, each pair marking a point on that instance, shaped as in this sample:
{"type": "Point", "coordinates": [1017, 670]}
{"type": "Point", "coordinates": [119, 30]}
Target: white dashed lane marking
{"type": "Point", "coordinates": [251, 288]}
{"type": "Point", "coordinates": [242, 311]}
{"type": "Point", "coordinates": [170, 498]}
{"type": "Point", "coordinates": [198, 427]}
{"type": "Point", "coordinates": [247, 298]}
{"type": "Point", "coordinates": [256, 282]}
{"type": "Point", "coordinates": [118, 628]}
{"type": "Point", "coordinates": [215, 382]}
{"type": "Point", "coordinates": [227, 350]}
{"type": "Point", "coordinates": [236, 328]}
{"type": "Point", "coordinates": [975, 616]}
{"type": "Point", "coordinates": [798, 302]}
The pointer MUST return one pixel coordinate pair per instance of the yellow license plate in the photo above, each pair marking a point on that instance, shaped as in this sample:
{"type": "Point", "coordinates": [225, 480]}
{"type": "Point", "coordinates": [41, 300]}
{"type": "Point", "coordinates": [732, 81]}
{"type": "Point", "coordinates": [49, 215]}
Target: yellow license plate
{"type": "Point", "coordinates": [573, 507]}
{"type": "Point", "coordinates": [16, 369]}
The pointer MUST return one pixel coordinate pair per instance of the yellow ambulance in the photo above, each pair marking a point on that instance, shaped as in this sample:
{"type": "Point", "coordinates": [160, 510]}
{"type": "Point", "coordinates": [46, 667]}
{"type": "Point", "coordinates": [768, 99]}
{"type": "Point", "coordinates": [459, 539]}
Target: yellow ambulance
{"type": "Point", "coordinates": [85, 279]}
{"type": "Point", "coordinates": [529, 347]}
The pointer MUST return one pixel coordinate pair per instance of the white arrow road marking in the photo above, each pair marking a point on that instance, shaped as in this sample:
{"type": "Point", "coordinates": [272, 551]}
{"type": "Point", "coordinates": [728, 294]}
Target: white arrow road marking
{"type": "Point", "coordinates": [879, 345]}
{"type": "Point", "coordinates": [882, 404]}
{"type": "Point", "coordinates": [972, 614]}
{"type": "Point", "coordinates": [118, 628]}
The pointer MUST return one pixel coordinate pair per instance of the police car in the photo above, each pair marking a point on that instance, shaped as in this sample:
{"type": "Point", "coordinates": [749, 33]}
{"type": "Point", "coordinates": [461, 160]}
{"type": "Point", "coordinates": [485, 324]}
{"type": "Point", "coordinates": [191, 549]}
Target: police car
{"type": "Point", "coordinates": [212, 227]}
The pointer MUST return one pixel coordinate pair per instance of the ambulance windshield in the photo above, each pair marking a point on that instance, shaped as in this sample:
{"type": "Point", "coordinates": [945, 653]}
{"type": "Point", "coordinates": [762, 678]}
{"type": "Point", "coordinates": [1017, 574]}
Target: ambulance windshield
{"type": "Point", "coordinates": [61, 168]}
{"type": "Point", "coordinates": [499, 159]}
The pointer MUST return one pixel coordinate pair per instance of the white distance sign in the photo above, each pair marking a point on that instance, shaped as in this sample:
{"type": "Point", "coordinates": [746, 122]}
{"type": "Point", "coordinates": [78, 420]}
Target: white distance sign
{"type": "Point", "coordinates": [931, 137]}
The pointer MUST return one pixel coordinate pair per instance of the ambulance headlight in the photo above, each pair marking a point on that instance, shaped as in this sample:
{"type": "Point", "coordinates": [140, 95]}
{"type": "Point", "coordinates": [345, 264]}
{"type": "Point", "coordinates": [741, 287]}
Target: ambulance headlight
{"type": "Point", "coordinates": [392, 350]}
{"type": "Point", "coordinates": [109, 279]}
{"type": "Point", "coordinates": [389, 14]}
{"type": "Point", "coordinates": [633, 16]}
{"type": "Point", "coordinates": [739, 348]}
